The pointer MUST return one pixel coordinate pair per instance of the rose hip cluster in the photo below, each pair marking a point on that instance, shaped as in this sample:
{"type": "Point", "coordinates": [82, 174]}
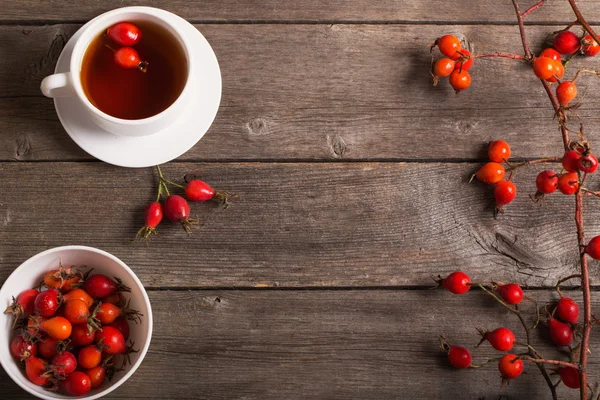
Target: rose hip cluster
{"type": "Point", "coordinates": [494, 172]}
{"type": "Point", "coordinates": [175, 207]}
{"type": "Point", "coordinates": [126, 34]}
{"type": "Point", "coordinates": [560, 324]}
{"type": "Point", "coordinates": [71, 330]}
{"type": "Point", "coordinates": [455, 65]}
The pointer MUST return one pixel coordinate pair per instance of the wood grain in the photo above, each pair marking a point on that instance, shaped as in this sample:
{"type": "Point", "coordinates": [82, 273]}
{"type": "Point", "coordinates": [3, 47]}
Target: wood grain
{"type": "Point", "coordinates": [339, 92]}
{"type": "Point", "coordinates": [324, 344]}
{"type": "Point", "coordinates": [296, 224]}
{"type": "Point", "coordinates": [310, 10]}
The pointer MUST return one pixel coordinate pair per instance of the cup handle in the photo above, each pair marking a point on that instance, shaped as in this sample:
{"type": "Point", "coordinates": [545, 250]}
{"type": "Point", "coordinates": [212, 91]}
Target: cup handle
{"type": "Point", "coordinates": [58, 85]}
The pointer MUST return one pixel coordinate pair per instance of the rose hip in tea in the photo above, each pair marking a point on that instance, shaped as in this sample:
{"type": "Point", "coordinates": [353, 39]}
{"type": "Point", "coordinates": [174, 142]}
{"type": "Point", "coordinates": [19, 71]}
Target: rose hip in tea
{"type": "Point", "coordinates": [141, 88]}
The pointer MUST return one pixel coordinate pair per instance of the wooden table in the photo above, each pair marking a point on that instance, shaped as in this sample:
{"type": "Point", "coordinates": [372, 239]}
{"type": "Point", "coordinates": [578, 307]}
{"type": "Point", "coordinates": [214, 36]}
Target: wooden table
{"type": "Point", "coordinates": [351, 171]}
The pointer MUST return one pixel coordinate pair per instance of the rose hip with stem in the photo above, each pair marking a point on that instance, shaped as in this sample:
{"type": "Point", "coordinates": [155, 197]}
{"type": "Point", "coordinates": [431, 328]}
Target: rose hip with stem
{"type": "Point", "coordinates": [197, 190]}
{"type": "Point", "coordinates": [128, 57]}
{"type": "Point", "coordinates": [153, 215]}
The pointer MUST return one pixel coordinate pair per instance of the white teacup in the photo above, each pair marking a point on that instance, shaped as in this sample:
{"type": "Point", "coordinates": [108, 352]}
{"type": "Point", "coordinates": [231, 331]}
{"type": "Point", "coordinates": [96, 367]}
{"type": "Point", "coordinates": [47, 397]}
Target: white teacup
{"type": "Point", "coordinates": [69, 83]}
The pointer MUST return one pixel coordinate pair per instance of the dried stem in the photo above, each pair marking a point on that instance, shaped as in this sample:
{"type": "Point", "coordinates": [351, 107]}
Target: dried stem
{"type": "Point", "coordinates": [551, 362]}
{"type": "Point", "coordinates": [499, 54]}
{"type": "Point", "coordinates": [532, 8]}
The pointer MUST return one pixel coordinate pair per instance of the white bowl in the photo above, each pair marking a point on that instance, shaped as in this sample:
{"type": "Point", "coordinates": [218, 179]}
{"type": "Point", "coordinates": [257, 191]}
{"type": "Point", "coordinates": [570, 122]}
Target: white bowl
{"type": "Point", "coordinates": [30, 273]}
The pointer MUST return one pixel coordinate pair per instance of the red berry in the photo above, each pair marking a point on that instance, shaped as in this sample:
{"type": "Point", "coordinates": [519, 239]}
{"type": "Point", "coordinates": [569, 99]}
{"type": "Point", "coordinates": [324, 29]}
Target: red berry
{"type": "Point", "coordinates": [570, 160]}
{"type": "Point", "coordinates": [77, 384]}
{"type": "Point", "coordinates": [460, 80]}
{"type": "Point", "coordinates": [457, 282]}
{"type": "Point", "coordinates": [35, 369]}
{"type": "Point", "coordinates": [177, 209]}
{"type": "Point", "coordinates": [559, 71]}
{"type": "Point", "coordinates": [510, 366]}
{"type": "Point", "coordinates": [81, 335]}
{"type": "Point", "coordinates": [546, 182]}
{"type": "Point", "coordinates": [551, 53]}
{"type": "Point", "coordinates": [22, 349]}
{"type": "Point", "coordinates": [101, 286]}
{"type": "Point", "coordinates": [589, 46]}
{"type": "Point", "coordinates": [125, 33]}
{"type": "Point", "coordinates": [128, 57]}
{"type": "Point", "coordinates": [26, 299]}
{"type": "Point", "coordinates": [566, 91]}
{"type": "Point", "coordinates": [64, 363]}
{"type": "Point", "coordinates": [122, 325]}
{"type": "Point", "coordinates": [490, 173]}
{"type": "Point", "coordinates": [593, 248]}
{"type": "Point", "coordinates": [544, 67]}
{"type": "Point", "coordinates": [97, 375]}
{"type": "Point", "coordinates": [567, 310]}
{"type": "Point", "coordinates": [511, 293]}
{"type": "Point", "coordinates": [153, 214]}
{"type": "Point", "coordinates": [448, 45]}
{"type": "Point", "coordinates": [112, 340]}
{"type": "Point", "coordinates": [197, 190]}
{"type": "Point", "coordinates": [566, 42]}
{"type": "Point", "coordinates": [46, 303]}
{"type": "Point", "coordinates": [465, 62]}
{"type": "Point", "coordinates": [48, 347]}
{"type": "Point", "coordinates": [504, 192]}
{"type": "Point", "coordinates": [560, 333]}
{"type": "Point", "coordinates": [501, 339]}
{"type": "Point", "coordinates": [570, 377]}
{"type": "Point", "coordinates": [443, 67]}
{"type": "Point", "coordinates": [498, 151]}
{"type": "Point", "coordinates": [588, 164]}
{"type": "Point", "coordinates": [459, 357]}
{"type": "Point", "coordinates": [568, 183]}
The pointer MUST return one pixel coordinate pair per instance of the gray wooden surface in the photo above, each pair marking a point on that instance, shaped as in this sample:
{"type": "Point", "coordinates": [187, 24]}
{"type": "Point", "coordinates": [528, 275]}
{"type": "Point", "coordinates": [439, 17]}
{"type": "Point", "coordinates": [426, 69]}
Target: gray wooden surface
{"type": "Point", "coordinates": [351, 172]}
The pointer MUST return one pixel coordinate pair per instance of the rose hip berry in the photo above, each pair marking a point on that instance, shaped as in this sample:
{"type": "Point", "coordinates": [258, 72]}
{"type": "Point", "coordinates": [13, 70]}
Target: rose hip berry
{"type": "Point", "coordinates": [491, 173]}
{"type": "Point", "coordinates": [501, 339]}
{"type": "Point", "coordinates": [177, 209]}
{"type": "Point", "coordinates": [570, 377]}
{"type": "Point", "coordinates": [510, 366]}
{"type": "Point", "coordinates": [124, 33]}
{"type": "Point", "coordinates": [443, 67]}
{"type": "Point", "coordinates": [593, 248]}
{"type": "Point", "coordinates": [464, 62]}
{"type": "Point", "coordinates": [64, 363]}
{"type": "Point", "coordinates": [153, 215]}
{"type": "Point", "coordinates": [459, 357]}
{"type": "Point", "coordinates": [570, 160]}
{"type": "Point", "coordinates": [551, 53]}
{"type": "Point", "coordinates": [560, 333]}
{"type": "Point", "coordinates": [589, 46]}
{"type": "Point", "coordinates": [77, 384]}
{"type": "Point", "coordinates": [46, 303]}
{"type": "Point", "coordinates": [568, 183]}
{"type": "Point", "coordinates": [567, 310]}
{"type": "Point", "coordinates": [511, 293]}
{"type": "Point", "coordinates": [457, 282]}
{"type": "Point", "coordinates": [559, 71]}
{"type": "Point", "coordinates": [588, 164]}
{"type": "Point", "coordinates": [504, 193]}
{"type": "Point", "coordinates": [111, 340]}
{"type": "Point", "coordinates": [128, 57]}
{"type": "Point", "coordinates": [546, 182]}
{"type": "Point", "coordinates": [498, 151]}
{"type": "Point", "coordinates": [544, 67]}
{"type": "Point", "coordinates": [448, 45]}
{"type": "Point", "coordinates": [460, 80]}
{"type": "Point", "coordinates": [566, 91]}
{"type": "Point", "coordinates": [35, 369]}
{"type": "Point", "coordinates": [101, 286]}
{"type": "Point", "coordinates": [22, 349]}
{"type": "Point", "coordinates": [23, 304]}
{"type": "Point", "coordinates": [566, 42]}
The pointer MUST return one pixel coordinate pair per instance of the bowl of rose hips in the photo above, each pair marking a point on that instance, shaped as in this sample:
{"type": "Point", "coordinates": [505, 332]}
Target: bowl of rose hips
{"type": "Point", "coordinates": [77, 323]}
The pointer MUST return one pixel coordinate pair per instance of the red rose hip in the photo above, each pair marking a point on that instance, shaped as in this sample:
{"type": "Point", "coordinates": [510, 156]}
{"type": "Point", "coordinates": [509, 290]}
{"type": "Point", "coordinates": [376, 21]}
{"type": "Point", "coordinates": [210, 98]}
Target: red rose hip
{"type": "Point", "coordinates": [459, 357]}
{"type": "Point", "coordinates": [124, 33]}
{"type": "Point", "coordinates": [457, 282]}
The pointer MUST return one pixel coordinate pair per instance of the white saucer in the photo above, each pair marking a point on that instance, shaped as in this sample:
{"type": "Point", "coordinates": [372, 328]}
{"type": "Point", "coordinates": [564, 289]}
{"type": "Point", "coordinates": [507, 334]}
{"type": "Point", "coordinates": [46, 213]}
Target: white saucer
{"type": "Point", "coordinates": [163, 146]}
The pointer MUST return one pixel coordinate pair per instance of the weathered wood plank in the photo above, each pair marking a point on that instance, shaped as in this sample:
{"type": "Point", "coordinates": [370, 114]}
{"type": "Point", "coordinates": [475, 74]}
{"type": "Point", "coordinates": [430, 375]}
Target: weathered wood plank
{"type": "Point", "coordinates": [324, 344]}
{"type": "Point", "coordinates": [297, 225]}
{"type": "Point", "coordinates": [310, 10]}
{"type": "Point", "coordinates": [313, 92]}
